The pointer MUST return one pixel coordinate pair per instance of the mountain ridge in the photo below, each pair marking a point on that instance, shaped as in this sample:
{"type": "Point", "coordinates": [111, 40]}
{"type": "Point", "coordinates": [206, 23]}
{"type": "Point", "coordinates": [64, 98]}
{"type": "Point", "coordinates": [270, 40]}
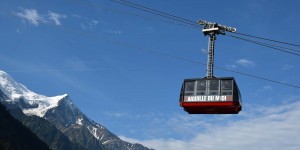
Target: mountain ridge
{"type": "Point", "coordinates": [46, 131]}
{"type": "Point", "coordinates": [14, 135]}
{"type": "Point", "coordinates": [61, 112]}
{"type": "Point", "coordinates": [19, 93]}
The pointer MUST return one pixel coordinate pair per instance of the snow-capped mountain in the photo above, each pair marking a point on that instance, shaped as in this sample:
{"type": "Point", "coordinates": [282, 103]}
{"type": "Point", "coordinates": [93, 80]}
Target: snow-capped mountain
{"type": "Point", "coordinates": [31, 103]}
{"type": "Point", "coordinates": [63, 114]}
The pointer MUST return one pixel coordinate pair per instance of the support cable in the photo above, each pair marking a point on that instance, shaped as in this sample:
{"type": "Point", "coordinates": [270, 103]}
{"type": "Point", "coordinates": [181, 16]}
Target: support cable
{"type": "Point", "coordinates": [265, 45]}
{"type": "Point", "coordinates": [167, 14]}
{"type": "Point", "coordinates": [267, 39]}
{"type": "Point", "coordinates": [189, 22]}
{"type": "Point", "coordinates": [156, 13]}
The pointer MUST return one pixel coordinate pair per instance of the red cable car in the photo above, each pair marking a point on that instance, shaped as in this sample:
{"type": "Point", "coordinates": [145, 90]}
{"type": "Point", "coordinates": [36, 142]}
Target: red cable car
{"type": "Point", "coordinates": [211, 95]}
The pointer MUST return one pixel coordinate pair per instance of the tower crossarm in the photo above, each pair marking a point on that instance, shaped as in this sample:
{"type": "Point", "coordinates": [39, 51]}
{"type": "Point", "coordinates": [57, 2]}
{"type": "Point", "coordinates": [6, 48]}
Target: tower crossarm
{"type": "Point", "coordinates": [212, 26]}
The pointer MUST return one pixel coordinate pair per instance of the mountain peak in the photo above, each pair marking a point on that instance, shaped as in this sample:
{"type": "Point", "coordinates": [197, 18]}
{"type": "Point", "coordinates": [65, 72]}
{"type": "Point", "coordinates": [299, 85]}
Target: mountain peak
{"type": "Point", "coordinates": [18, 93]}
{"type": "Point", "coordinates": [63, 114]}
{"type": "Point", "coordinates": [12, 88]}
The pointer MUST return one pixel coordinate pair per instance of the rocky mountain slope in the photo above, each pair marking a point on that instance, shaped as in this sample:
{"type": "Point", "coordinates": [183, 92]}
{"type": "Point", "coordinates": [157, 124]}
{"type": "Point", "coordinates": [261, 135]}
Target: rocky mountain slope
{"type": "Point", "coordinates": [13, 135]}
{"type": "Point", "coordinates": [62, 114]}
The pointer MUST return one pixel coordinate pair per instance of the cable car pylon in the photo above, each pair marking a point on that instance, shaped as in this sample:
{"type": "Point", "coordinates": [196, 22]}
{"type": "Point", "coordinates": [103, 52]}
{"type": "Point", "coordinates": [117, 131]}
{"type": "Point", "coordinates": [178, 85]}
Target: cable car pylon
{"type": "Point", "coordinates": [211, 95]}
{"type": "Point", "coordinates": [212, 29]}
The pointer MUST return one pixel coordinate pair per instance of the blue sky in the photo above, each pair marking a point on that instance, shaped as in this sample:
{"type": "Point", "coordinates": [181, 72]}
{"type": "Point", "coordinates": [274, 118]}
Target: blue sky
{"type": "Point", "coordinates": [105, 61]}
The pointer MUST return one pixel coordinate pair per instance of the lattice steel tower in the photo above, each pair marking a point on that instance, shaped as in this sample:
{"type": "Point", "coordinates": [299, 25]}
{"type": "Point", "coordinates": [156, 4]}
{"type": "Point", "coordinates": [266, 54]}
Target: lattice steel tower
{"type": "Point", "coordinates": [212, 29]}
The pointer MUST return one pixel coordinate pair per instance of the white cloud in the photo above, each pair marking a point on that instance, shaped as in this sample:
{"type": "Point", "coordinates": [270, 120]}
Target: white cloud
{"type": "Point", "coordinates": [267, 87]}
{"type": "Point", "coordinates": [115, 114]}
{"type": "Point", "coordinates": [31, 15]}
{"type": "Point", "coordinates": [76, 15]}
{"type": "Point", "coordinates": [90, 25]}
{"type": "Point", "coordinates": [245, 62]}
{"type": "Point", "coordinates": [95, 22]}
{"type": "Point", "coordinates": [266, 127]}
{"type": "Point", "coordinates": [86, 22]}
{"type": "Point", "coordinates": [83, 26]}
{"type": "Point", "coordinates": [113, 31]}
{"type": "Point", "coordinates": [18, 30]}
{"type": "Point", "coordinates": [56, 17]}
{"type": "Point", "coordinates": [232, 66]}
{"type": "Point", "coordinates": [241, 62]}
{"type": "Point", "coordinates": [204, 51]}
{"type": "Point", "coordinates": [287, 67]}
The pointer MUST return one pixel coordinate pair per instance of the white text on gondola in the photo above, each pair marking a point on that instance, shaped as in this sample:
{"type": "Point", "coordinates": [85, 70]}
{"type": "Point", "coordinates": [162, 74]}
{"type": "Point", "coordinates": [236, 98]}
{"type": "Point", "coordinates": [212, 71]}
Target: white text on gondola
{"type": "Point", "coordinates": [206, 98]}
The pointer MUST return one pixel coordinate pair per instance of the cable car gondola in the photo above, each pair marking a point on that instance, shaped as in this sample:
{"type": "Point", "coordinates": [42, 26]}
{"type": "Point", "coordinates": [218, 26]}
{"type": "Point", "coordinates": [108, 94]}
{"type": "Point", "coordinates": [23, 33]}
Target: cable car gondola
{"type": "Point", "coordinates": [211, 95]}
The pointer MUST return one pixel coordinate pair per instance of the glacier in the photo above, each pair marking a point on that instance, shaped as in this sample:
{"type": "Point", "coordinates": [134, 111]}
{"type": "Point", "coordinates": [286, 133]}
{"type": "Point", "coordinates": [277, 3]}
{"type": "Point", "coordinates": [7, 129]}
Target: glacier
{"type": "Point", "coordinates": [39, 104]}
